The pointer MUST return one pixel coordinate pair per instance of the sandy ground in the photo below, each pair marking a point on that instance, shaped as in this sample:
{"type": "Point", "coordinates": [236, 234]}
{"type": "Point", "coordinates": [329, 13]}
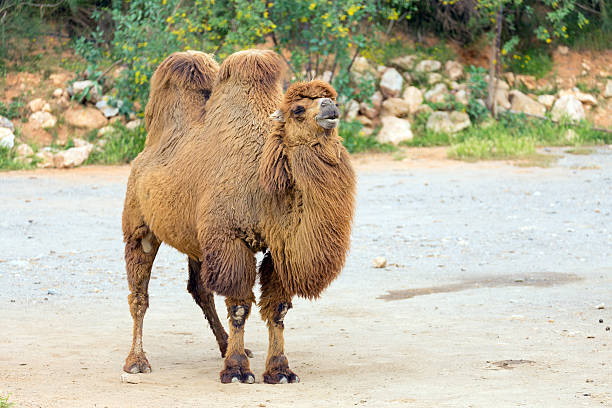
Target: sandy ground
{"type": "Point", "coordinates": [490, 296]}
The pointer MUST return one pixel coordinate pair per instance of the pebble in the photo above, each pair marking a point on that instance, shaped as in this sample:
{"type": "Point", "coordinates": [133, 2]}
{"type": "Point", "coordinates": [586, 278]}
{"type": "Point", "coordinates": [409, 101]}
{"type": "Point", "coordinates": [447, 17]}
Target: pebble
{"type": "Point", "coordinates": [600, 306]}
{"type": "Point", "coordinates": [130, 378]}
{"type": "Point", "coordinates": [379, 262]}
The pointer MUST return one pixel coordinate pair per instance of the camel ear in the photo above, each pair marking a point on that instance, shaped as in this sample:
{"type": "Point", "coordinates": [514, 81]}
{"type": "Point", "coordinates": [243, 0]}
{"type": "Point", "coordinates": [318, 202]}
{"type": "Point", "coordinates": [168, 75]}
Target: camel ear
{"type": "Point", "coordinates": [278, 116]}
{"type": "Point", "coordinates": [274, 172]}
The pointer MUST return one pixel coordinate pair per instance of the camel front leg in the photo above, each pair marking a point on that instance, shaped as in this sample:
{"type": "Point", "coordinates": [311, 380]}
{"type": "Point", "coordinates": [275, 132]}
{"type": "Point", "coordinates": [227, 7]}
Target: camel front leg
{"type": "Point", "coordinates": [274, 304]}
{"type": "Point", "coordinates": [140, 250]}
{"type": "Point", "coordinates": [236, 366]}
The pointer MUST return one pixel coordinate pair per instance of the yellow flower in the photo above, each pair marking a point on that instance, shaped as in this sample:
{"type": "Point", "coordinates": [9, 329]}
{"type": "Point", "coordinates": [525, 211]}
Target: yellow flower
{"type": "Point", "coordinates": [164, 2]}
{"type": "Point", "coordinates": [352, 10]}
{"type": "Point", "coordinates": [312, 6]}
{"type": "Point", "coordinates": [548, 41]}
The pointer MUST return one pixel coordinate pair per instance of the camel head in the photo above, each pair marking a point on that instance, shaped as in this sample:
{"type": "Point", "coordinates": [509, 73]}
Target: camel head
{"type": "Point", "coordinates": [309, 110]}
{"type": "Point", "coordinates": [304, 144]}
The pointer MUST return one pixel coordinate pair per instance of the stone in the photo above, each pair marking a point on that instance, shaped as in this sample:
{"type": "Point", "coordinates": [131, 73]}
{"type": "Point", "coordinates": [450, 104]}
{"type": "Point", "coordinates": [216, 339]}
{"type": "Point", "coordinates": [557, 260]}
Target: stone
{"type": "Point", "coordinates": [6, 123]}
{"type": "Point", "coordinates": [364, 120]}
{"type": "Point", "coordinates": [58, 93]}
{"type": "Point", "coordinates": [394, 130]}
{"type": "Point", "coordinates": [42, 120]}
{"type": "Point", "coordinates": [568, 106]}
{"type": "Point", "coordinates": [24, 153]}
{"type": "Point", "coordinates": [380, 70]}
{"type": "Point", "coordinates": [414, 97]}
{"type": "Point", "coordinates": [462, 96]}
{"type": "Point", "coordinates": [509, 76]}
{"type": "Point", "coordinates": [585, 98]}
{"type": "Point", "coordinates": [445, 122]}
{"type": "Point", "coordinates": [523, 103]}
{"type": "Point", "coordinates": [361, 69]}
{"type": "Point", "coordinates": [59, 79]}
{"type": "Point", "coordinates": [38, 105]}
{"type": "Point", "coordinates": [128, 378]}
{"type": "Point", "coordinates": [434, 78]}
{"type": "Point", "coordinates": [78, 87]}
{"type": "Point", "coordinates": [563, 50]}
{"type": "Point", "coordinates": [395, 107]}
{"type": "Point", "coordinates": [7, 138]}
{"type": "Point", "coordinates": [105, 130]}
{"type": "Point", "coordinates": [438, 94]}
{"type": "Point", "coordinates": [379, 262]}
{"type": "Point", "coordinates": [73, 157]}
{"type": "Point", "coordinates": [405, 63]}
{"type": "Point", "coordinates": [428, 66]}
{"type": "Point", "coordinates": [607, 93]}
{"type": "Point", "coordinates": [528, 80]}
{"type": "Point", "coordinates": [133, 124]}
{"type": "Point", "coordinates": [502, 95]}
{"type": "Point", "coordinates": [85, 118]}
{"type": "Point", "coordinates": [391, 83]}
{"type": "Point", "coordinates": [547, 100]}
{"type": "Point", "coordinates": [377, 98]}
{"type": "Point", "coordinates": [423, 109]}
{"type": "Point", "coordinates": [45, 157]}
{"type": "Point", "coordinates": [351, 109]}
{"type": "Point", "coordinates": [367, 110]}
{"type": "Point", "coordinates": [107, 110]}
{"type": "Point", "coordinates": [454, 70]}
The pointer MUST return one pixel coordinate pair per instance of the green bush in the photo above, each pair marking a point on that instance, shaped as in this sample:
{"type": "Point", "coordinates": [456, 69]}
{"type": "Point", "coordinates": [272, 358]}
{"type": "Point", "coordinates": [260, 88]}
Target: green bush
{"type": "Point", "coordinates": [356, 142]}
{"type": "Point", "coordinates": [121, 146]}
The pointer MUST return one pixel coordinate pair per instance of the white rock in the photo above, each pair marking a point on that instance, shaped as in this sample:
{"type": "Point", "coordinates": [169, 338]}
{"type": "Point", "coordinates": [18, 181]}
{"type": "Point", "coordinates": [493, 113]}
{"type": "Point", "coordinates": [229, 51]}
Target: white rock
{"type": "Point", "coordinates": [428, 66]}
{"type": "Point", "coordinates": [547, 100]}
{"type": "Point", "coordinates": [585, 98]}
{"type": "Point", "coordinates": [395, 107]}
{"type": "Point", "coordinates": [58, 93]}
{"type": "Point", "coordinates": [87, 118]}
{"type": "Point", "coordinates": [7, 138]}
{"type": "Point", "coordinates": [24, 151]}
{"type": "Point", "coordinates": [133, 124]}
{"type": "Point", "coordinates": [434, 78]}
{"type": "Point", "coordinates": [128, 378]}
{"type": "Point", "coordinates": [368, 110]}
{"type": "Point", "coordinates": [404, 63]}
{"type": "Point", "coordinates": [528, 80]}
{"type": "Point", "coordinates": [568, 106]}
{"type": "Point", "coordinates": [78, 87]}
{"type": "Point", "coordinates": [394, 130]}
{"type": "Point", "coordinates": [414, 97]}
{"type": "Point", "coordinates": [462, 96]}
{"type": "Point", "coordinates": [364, 120]}
{"type": "Point", "coordinates": [75, 156]}
{"type": "Point", "coordinates": [46, 159]}
{"type": "Point", "coordinates": [445, 122]}
{"type": "Point", "coordinates": [391, 83]}
{"type": "Point", "coordinates": [379, 262]}
{"type": "Point", "coordinates": [563, 50]}
{"type": "Point", "coordinates": [6, 123]}
{"type": "Point", "coordinates": [607, 93]}
{"type": "Point", "coordinates": [351, 109]}
{"type": "Point", "coordinates": [39, 104]}
{"type": "Point", "coordinates": [453, 69]}
{"type": "Point", "coordinates": [361, 69]}
{"type": "Point", "coordinates": [42, 120]}
{"type": "Point", "coordinates": [522, 103]}
{"type": "Point", "coordinates": [438, 94]}
{"type": "Point", "coordinates": [106, 109]}
{"type": "Point", "coordinates": [376, 100]}
{"type": "Point", "coordinates": [105, 130]}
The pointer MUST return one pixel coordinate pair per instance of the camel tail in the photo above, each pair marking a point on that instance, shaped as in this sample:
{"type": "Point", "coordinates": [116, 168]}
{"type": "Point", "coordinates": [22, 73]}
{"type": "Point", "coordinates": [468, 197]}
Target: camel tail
{"type": "Point", "coordinates": [180, 88]}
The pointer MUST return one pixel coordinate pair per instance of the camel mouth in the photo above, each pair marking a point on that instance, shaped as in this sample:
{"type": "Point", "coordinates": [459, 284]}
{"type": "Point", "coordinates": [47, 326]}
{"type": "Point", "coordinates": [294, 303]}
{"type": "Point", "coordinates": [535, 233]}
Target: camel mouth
{"type": "Point", "coordinates": [328, 123]}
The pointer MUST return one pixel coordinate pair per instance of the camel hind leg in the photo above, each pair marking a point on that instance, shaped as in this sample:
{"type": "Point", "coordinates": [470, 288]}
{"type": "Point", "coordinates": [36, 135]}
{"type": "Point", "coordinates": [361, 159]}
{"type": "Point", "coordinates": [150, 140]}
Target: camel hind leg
{"type": "Point", "coordinates": [140, 249]}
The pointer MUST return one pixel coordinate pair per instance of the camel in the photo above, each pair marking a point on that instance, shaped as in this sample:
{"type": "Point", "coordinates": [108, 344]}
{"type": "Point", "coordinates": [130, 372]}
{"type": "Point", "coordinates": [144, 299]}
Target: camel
{"type": "Point", "coordinates": [261, 172]}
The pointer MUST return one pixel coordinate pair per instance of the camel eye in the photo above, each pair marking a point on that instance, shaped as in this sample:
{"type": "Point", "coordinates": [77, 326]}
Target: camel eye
{"type": "Point", "coordinates": [298, 110]}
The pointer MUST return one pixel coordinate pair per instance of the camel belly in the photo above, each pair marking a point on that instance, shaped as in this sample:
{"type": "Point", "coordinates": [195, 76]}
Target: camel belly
{"type": "Point", "coordinates": [167, 212]}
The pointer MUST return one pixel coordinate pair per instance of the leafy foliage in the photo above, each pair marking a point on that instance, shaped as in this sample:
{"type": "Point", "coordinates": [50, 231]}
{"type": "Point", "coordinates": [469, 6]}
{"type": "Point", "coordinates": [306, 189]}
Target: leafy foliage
{"type": "Point", "coordinates": [357, 142]}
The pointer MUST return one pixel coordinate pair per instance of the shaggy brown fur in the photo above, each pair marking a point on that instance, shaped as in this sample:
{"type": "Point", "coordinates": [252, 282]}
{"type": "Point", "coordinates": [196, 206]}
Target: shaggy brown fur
{"type": "Point", "coordinates": [238, 183]}
{"type": "Point", "coordinates": [180, 87]}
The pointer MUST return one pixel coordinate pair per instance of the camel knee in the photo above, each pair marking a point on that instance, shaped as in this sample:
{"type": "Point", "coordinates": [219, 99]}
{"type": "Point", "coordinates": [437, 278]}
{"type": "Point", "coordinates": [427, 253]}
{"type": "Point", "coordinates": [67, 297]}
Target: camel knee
{"type": "Point", "coordinates": [238, 315]}
{"type": "Point", "coordinates": [139, 303]}
{"type": "Point", "coordinates": [281, 312]}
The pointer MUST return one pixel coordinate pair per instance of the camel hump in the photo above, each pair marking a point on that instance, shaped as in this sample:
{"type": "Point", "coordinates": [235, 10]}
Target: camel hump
{"type": "Point", "coordinates": [264, 66]}
{"type": "Point", "coordinates": [180, 87]}
{"type": "Point", "coordinates": [190, 69]}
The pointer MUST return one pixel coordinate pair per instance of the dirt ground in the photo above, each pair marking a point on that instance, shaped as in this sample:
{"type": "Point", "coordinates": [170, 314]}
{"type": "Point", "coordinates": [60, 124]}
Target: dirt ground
{"type": "Point", "coordinates": [497, 279]}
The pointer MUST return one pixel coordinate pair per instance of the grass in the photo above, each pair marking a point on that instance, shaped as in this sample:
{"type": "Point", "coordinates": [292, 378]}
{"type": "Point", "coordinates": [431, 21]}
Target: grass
{"type": "Point", "coordinates": [8, 161]}
{"type": "Point", "coordinates": [512, 137]}
{"type": "Point", "coordinates": [4, 402]}
{"type": "Point", "coordinates": [356, 142]}
{"type": "Point", "coordinates": [536, 62]}
{"type": "Point", "coordinates": [122, 145]}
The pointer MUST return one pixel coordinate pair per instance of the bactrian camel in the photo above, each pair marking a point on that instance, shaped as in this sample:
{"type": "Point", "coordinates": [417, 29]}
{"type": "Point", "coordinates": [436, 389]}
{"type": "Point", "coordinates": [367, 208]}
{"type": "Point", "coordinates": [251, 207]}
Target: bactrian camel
{"type": "Point", "coordinates": [231, 167]}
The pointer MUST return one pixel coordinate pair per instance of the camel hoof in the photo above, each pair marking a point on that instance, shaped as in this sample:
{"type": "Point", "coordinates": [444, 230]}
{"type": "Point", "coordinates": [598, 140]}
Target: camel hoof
{"type": "Point", "coordinates": [283, 379]}
{"type": "Point", "coordinates": [237, 370]}
{"type": "Point", "coordinates": [137, 364]}
{"type": "Point", "coordinates": [250, 379]}
{"type": "Point", "coordinates": [235, 380]}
